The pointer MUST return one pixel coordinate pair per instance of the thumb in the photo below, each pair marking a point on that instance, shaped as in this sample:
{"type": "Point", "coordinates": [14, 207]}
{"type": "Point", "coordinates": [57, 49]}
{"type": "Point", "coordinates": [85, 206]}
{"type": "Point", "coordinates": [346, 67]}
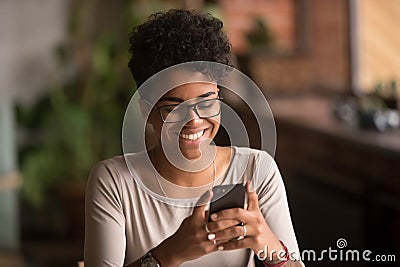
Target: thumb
{"type": "Point", "coordinates": [199, 209]}
{"type": "Point", "coordinates": [252, 197]}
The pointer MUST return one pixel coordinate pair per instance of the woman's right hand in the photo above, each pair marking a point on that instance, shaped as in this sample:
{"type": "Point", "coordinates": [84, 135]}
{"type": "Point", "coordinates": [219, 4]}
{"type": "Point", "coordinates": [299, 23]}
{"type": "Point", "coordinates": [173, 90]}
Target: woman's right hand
{"type": "Point", "coordinates": [190, 241]}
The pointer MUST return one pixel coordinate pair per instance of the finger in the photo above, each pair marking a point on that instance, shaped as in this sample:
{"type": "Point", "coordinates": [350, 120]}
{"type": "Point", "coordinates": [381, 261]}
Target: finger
{"type": "Point", "coordinates": [199, 209]}
{"type": "Point", "coordinates": [252, 197]}
{"type": "Point", "coordinates": [216, 243]}
{"type": "Point", "coordinates": [210, 246]}
{"type": "Point", "coordinates": [238, 214]}
{"type": "Point", "coordinates": [231, 233]}
{"type": "Point", "coordinates": [221, 225]}
{"type": "Point", "coordinates": [233, 244]}
{"type": "Point", "coordinates": [249, 186]}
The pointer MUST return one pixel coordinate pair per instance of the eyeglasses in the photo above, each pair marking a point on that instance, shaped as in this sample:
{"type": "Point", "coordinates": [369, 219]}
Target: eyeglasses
{"type": "Point", "coordinates": [204, 109]}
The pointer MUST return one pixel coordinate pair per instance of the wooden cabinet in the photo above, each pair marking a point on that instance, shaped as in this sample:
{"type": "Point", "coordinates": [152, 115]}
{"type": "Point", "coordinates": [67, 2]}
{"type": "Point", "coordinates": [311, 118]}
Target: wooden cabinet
{"type": "Point", "coordinates": [342, 182]}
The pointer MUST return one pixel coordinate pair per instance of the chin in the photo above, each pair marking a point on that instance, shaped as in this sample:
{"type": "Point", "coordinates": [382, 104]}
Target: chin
{"type": "Point", "coordinates": [192, 153]}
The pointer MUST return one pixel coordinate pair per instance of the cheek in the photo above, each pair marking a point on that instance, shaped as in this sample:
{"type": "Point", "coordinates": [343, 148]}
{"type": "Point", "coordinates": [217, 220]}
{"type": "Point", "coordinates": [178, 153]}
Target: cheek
{"type": "Point", "coordinates": [216, 124]}
{"type": "Point", "coordinates": [168, 130]}
{"type": "Point", "coordinates": [156, 123]}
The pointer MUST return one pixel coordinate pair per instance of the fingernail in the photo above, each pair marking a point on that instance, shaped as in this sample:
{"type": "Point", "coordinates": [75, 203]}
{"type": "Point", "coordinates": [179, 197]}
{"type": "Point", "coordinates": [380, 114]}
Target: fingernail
{"type": "Point", "coordinates": [211, 236]}
{"type": "Point", "coordinates": [213, 216]}
{"type": "Point", "coordinates": [220, 248]}
{"type": "Point", "coordinates": [250, 187]}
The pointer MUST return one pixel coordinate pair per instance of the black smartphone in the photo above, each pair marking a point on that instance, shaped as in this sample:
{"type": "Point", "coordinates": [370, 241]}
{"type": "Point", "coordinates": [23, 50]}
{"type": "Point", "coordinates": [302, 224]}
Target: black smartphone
{"type": "Point", "coordinates": [228, 197]}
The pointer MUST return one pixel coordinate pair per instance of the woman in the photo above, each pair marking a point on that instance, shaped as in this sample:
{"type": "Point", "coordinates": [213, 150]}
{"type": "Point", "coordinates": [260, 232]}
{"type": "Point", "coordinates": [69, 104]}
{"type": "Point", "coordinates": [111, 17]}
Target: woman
{"type": "Point", "coordinates": [127, 224]}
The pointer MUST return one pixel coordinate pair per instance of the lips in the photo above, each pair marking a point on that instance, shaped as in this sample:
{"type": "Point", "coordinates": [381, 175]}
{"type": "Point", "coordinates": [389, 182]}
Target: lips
{"type": "Point", "coordinates": [191, 136]}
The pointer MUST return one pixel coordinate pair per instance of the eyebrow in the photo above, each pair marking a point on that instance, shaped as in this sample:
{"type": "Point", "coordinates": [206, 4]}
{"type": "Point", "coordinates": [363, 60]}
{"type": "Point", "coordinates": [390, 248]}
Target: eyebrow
{"type": "Point", "coordinates": [177, 99]}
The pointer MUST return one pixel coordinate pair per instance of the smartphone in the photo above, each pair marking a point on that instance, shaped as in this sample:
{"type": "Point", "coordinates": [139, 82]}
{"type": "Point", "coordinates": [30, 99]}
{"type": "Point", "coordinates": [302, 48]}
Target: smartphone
{"type": "Point", "coordinates": [228, 197]}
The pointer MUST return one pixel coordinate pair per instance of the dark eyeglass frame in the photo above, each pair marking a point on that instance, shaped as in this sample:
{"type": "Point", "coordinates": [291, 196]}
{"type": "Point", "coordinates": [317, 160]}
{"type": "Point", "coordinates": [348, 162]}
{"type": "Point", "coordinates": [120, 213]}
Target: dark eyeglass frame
{"type": "Point", "coordinates": [187, 106]}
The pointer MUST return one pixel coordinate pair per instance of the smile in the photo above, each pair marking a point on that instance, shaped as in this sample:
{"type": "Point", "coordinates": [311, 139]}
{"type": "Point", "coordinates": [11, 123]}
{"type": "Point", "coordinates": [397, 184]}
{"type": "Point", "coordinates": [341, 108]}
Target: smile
{"type": "Point", "coordinates": [193, 136]}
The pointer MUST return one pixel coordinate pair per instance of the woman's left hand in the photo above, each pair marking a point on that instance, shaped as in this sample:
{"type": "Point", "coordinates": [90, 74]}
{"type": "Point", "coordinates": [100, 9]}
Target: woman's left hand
{"type": "Point", "coordinates": [258, 235]}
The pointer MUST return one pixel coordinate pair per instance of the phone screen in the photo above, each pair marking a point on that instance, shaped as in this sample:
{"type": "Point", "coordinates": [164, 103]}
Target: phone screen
{"type": "Point", "coordinates": [228, 197]}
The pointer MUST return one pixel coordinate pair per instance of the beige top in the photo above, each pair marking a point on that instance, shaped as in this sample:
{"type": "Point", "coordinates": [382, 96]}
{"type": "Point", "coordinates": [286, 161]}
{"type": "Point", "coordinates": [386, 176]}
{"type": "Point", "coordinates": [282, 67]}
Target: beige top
{"type": "Point", "coordinates": [124, 220]}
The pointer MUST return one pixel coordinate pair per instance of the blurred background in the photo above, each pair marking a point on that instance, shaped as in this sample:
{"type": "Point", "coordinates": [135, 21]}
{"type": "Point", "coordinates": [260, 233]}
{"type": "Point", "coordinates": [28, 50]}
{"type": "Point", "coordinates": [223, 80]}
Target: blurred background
{"type": "Point", "coordinates": [329, 69]}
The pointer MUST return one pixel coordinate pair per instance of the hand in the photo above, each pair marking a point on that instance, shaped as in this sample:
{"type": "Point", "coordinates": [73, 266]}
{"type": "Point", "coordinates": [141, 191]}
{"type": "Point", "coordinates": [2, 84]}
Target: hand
{"type": "Point", "coordinates": [190, 241]}
{"type": "Point", "coordinates": [258, 234]}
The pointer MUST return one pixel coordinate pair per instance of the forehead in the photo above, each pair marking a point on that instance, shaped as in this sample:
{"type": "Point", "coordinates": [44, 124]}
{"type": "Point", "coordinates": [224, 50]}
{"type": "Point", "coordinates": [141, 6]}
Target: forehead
{"type": "Point", "coordinates": [181, 83]}
{"type": "Point", "coordinates": [192, 90]}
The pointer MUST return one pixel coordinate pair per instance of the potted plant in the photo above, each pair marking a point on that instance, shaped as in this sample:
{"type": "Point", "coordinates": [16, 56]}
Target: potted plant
{"type": "Point", "coordinates": [72, 127]}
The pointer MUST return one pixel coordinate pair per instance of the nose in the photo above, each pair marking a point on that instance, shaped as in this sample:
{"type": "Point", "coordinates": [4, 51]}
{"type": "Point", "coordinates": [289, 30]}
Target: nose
{"type": "Point", "coordinates": [191, 115]}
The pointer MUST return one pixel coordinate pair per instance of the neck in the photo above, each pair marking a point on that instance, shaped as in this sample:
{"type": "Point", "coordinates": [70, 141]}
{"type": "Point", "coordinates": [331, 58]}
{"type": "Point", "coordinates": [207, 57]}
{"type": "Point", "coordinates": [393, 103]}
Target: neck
{"type": "Point", "coordinates": [179, 176]}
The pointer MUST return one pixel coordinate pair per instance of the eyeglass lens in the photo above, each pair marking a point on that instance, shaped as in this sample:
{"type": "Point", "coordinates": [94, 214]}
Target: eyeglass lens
{"type": "Point", "coordinates": [203, 109]}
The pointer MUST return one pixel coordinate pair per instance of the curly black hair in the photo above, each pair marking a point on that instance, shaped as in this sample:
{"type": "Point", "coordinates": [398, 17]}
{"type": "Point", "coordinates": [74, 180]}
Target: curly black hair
{"type": "Point", "coordinates": [173, 37]}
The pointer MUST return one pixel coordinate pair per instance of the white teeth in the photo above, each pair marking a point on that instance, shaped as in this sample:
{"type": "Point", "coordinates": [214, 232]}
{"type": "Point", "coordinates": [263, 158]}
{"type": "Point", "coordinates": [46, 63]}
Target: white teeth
{"type": "Point", "coordinates": [192, 137]}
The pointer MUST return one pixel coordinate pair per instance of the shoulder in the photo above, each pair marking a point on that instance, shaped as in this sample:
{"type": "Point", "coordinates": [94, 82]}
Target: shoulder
{"type": "Point", "coordinates": [112, 168]}
{"type": "Point", "coordinates": [250, 164]}
{"type": "Point", "coordinates": [253, 155]}
{"type": "Point", "coordinates": [108, 175]}
{"type": "Point", "coordinates": [117, 162]}
{"type": "Point", "coordinates": [247, 150]}
{"type": "Point", "coordinates": [260, 166]}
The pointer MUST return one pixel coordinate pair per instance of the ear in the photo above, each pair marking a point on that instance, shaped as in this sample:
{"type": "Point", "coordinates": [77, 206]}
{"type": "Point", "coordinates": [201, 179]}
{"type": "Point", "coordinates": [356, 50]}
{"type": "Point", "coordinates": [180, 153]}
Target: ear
{"type": "Point", "coordinates": [145, 109]}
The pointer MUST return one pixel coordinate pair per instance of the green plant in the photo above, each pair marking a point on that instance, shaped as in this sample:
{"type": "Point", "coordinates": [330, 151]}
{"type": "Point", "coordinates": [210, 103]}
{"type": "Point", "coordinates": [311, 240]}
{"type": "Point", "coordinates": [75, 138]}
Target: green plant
{"type": "Point", "coordinates": [260, 37]}
{"type": "Point", "coordinates": [75, 125]}
{"type": "Point", "coordinates": [79, 121]}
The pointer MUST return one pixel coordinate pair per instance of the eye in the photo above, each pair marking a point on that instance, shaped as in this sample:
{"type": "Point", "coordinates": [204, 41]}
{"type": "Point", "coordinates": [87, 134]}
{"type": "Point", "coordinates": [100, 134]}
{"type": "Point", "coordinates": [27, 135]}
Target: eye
{"type": "Point", "coordinates": [168, 109]}
{"type": "Point", "coordinates": [205, 104]}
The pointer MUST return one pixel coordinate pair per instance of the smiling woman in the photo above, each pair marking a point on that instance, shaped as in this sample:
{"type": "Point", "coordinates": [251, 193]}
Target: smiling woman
{"type": "Point", "coordinates": [190, 111]}
{"type": "Point", "coordinates": [150, 208]}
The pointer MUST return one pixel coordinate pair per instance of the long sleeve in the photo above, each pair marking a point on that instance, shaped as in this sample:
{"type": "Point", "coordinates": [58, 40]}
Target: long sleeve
{"type": "Point", "coordinates": [105, 241]}
{"type": "Point", "coordinates": [273, 201]}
